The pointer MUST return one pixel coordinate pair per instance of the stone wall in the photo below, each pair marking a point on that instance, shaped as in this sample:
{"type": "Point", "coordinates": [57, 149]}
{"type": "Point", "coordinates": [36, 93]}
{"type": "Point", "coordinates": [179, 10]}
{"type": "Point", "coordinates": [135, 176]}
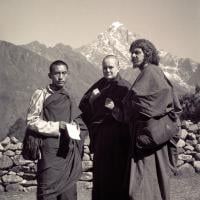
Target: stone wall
{"type": "Point", "coordinates": [17, 174]}
{"type": "Point", "coordinates": [189, 149]}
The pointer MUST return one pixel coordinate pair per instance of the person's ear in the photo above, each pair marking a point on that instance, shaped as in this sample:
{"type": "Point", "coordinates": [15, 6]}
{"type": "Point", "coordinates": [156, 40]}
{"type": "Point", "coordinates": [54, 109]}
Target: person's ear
{"type": "Point", "coordinates": [49, 75]}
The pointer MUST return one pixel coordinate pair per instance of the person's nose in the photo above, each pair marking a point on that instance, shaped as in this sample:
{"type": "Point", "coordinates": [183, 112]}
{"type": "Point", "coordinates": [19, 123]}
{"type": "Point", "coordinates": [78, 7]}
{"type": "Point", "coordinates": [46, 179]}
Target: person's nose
{"type": "Point", "coordinates": [133, 55]}
{"type": "Point", "coordinates": [60, 77]}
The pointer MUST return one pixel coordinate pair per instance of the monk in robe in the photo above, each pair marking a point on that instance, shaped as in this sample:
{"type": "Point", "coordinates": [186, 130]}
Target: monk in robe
{"type": "Point", "coordinates": [109, 139]}
{"type": "Point", "coordinates": [151, 97]}
{"type": "Point", "coordinates": [51, 110]}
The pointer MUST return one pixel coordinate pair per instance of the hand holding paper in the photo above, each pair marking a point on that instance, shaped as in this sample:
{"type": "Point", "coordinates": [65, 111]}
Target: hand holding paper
{"type": "Point", "coordinates": [73, 131]}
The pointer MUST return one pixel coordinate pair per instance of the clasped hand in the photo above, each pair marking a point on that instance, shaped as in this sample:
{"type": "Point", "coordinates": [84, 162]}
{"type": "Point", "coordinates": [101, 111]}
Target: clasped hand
{"type": "Point", "coordinates": [109, 103]}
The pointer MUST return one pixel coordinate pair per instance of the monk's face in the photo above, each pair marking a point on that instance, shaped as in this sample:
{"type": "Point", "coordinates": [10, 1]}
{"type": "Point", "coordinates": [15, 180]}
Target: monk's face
{"type": "Point", "coordinates": [137, 57]}
{"type": "Point", "coordinates": [110, 67]}
{"type": "Point", "coordinates": [58, 76]}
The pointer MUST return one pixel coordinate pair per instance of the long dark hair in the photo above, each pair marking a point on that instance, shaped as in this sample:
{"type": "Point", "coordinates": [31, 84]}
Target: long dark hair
{"type": "Point", "coordinates": [150, 51]}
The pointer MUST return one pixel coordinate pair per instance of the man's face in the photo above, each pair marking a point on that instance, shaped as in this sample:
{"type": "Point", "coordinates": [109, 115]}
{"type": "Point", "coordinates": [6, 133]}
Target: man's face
{"type": "Point", "coordinates": [58, 76]}
{"type": "Point", "coordinates": [137, 57]}
{"type": "Point", "coordinates": [110, 68]}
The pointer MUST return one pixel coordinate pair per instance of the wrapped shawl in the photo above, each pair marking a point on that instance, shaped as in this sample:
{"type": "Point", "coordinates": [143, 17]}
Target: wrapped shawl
{"type": "Point", "coordinates": [152, 95]}
{"type": "Point", "coordinates": [60, 165]}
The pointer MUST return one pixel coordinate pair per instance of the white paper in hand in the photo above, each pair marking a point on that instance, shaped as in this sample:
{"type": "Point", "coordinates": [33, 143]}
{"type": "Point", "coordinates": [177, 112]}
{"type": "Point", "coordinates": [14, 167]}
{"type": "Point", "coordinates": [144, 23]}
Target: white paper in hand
{"type": "Point", "coordinates": [73, 131]}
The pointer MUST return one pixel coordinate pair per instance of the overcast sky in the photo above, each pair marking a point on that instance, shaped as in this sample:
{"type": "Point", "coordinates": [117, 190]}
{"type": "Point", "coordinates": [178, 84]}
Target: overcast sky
{"type": "Point", "coordinates": [172, 25]}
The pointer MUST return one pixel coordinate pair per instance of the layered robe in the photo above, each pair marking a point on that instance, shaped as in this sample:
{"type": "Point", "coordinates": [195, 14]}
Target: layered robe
{"type": "Point", "coordinates": [60, 165]}
{"type": "Point", "coordinates": [109, 139]}
{"type": "Point", "coordinates": [152, 95]}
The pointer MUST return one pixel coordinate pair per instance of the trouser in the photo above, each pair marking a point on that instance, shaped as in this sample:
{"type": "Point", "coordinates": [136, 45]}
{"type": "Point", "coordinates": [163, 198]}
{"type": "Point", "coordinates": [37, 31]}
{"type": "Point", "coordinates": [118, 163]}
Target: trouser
{"type": "Point", "coordinates": [69, 194]}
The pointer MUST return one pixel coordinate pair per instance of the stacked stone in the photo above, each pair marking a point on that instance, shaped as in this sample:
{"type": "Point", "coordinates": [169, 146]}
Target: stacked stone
{"type": "Point", "coordinates": [17, 174]}
{"type": "Point", "coordinates": [189, 148]}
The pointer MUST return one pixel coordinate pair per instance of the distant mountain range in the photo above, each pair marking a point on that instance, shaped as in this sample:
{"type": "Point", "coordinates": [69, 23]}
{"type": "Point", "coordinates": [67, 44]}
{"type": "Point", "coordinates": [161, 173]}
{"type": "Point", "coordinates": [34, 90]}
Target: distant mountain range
{"type": "Point", "coordinates": [24, 68]}
{"type": "Point", "coordinates": [117, 39]}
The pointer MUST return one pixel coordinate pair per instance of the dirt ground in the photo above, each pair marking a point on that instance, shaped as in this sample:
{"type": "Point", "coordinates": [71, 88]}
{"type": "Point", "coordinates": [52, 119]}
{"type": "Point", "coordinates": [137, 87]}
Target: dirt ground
{"type": "Point", "coordinates": [181, 189]}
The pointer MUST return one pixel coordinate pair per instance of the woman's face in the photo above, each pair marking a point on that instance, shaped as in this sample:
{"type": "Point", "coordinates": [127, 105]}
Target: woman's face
{"type": "Point", "coordinates": [137, 57]}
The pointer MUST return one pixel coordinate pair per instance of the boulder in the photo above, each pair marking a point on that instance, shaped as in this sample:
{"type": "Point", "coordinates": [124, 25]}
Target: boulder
{"type": "Point", "coordinates": [86, 165]}
{"type": "Point", "coordinates": [197, 148]}
{"type": "Point", "coordinates": [86, 157]}
{"type": "Point", "coordinates": [186, 158]}
{"type": "Point", "coordinates": [9, 153]}
{"type": "Point", "coordinates": [5, 162]}
{"type": "Point", "coordinates": [191, 136]}
{"type": "Point", "coordinates": [5, 142]}
{"type": "Point", "coordinates": [14, 140]}
{"type": "Point", "coordinates": [186, 170]}
{"type": "Point", "coordinates": [11, 179]}
{"type": "Point", "coordinates": [180, 143]}
{"type": "Point", "coordinates": [183, 134]}
{"type": "Point", "coordinates": [2, 189]}
{"type": "Point", "coordinates": [197, 156]}
{"type": "Point", "coordinates": [196, 165]}
{"type": "Point", "coordinates": [86, 176]}
{"type": "Point", "coordinates": [14, 187]}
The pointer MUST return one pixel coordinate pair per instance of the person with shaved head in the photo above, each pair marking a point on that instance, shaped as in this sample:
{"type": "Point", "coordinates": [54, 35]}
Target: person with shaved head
{"type": "Point", "coordinates": [109, 139]}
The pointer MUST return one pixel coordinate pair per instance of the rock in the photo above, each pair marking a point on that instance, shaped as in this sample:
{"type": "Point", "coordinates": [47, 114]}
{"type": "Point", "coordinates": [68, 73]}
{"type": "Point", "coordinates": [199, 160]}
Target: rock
{"type": "Point", "coordinates": [14, 140]}
{"type": "Point", "coordinates": [85, 185]}
{"type": "Point", "coordinates": [86, 150]}
{"type": "Point", "coordinates": [17, 169]}
{"type": "Point", "coordinates": [5, 162]}
{"type": "Point", "coordinates": [86, 165]}
{"type": "Point", "coordinates": [189, 152]}
{"type": "Point", "coordinates": [20, 174]}
{"type": "Point", "coordinates": [191, 136]}
{"type": "Point", "coordinates": [193, 128]}
{"type": "Point", "coordinates": [186, 170]}
{"type": "Point", "coordinates": [2, 189]}
{"type": "Point", "coordinates": [18, 152]}
{"type": "Point", "coordinates": [196, 165]}
{"type": "Point", "coordinates": [183, 134]}
{"type": "Point", "coordinates": [189, 147]}
{"type": "Point", "coordinates": [197, 156]}
{"type": "Point", "coordinates": [19, 160]}
{"type": "Point", "coordinates": [191, 142]}
{"type": "Point", "coordinates": [11, 179]}
{"type": "Point", "coordinates": [6, 141]}
{"type": "Point", "coordinates": [86, 176]}
{"type": "Point", "coordinates": [9, 153]}
{"type": "Point", "coordinates": [12, 173]}
{"type": "Point", "coordinates": [87, 140]}
{"type": "Point", "coordinates": [14, 187]}
{"type": "Point", "coordinates": [197, 148]}
{"type": "Point", "coordinates": [185, 124]}
{"type": "Point", "coordinates": [29, 176]}
{"type": "Point", "coordinates": [179, 163]}
{"type": "Point", "coordinates": [180, 150]}
{"type": "Point", "coordinates": [1, 147]}
{"type": "Point", "coordinates": [180, 143]}
{"type": "Point", "coordinates": [86, 157]}
{"type": "Point", "coordinates": [27, 183]}
{"type": "Point", "coordinates": [30, 189]}
{"type": "Point", "coordinates": [3, 172]}
{"type": "Point", "coordinates": [14, 147]}
{"type": "Point", "coordinates": [186, 158]}
{"type": "Point", "coordinates": [92, 156]}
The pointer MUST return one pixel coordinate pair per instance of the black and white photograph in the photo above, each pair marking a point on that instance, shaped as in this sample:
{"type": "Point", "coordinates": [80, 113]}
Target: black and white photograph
{"type": "Point", "coordinates": [100, 100]}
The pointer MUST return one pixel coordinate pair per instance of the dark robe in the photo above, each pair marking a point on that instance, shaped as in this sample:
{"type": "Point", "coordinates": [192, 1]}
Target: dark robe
{"type": "Point", "coordinates": [60, 165]}
{"type": "Point", "coordinates": [109, 139]}
{"type": "Point", "coordinates": [152, 95]}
